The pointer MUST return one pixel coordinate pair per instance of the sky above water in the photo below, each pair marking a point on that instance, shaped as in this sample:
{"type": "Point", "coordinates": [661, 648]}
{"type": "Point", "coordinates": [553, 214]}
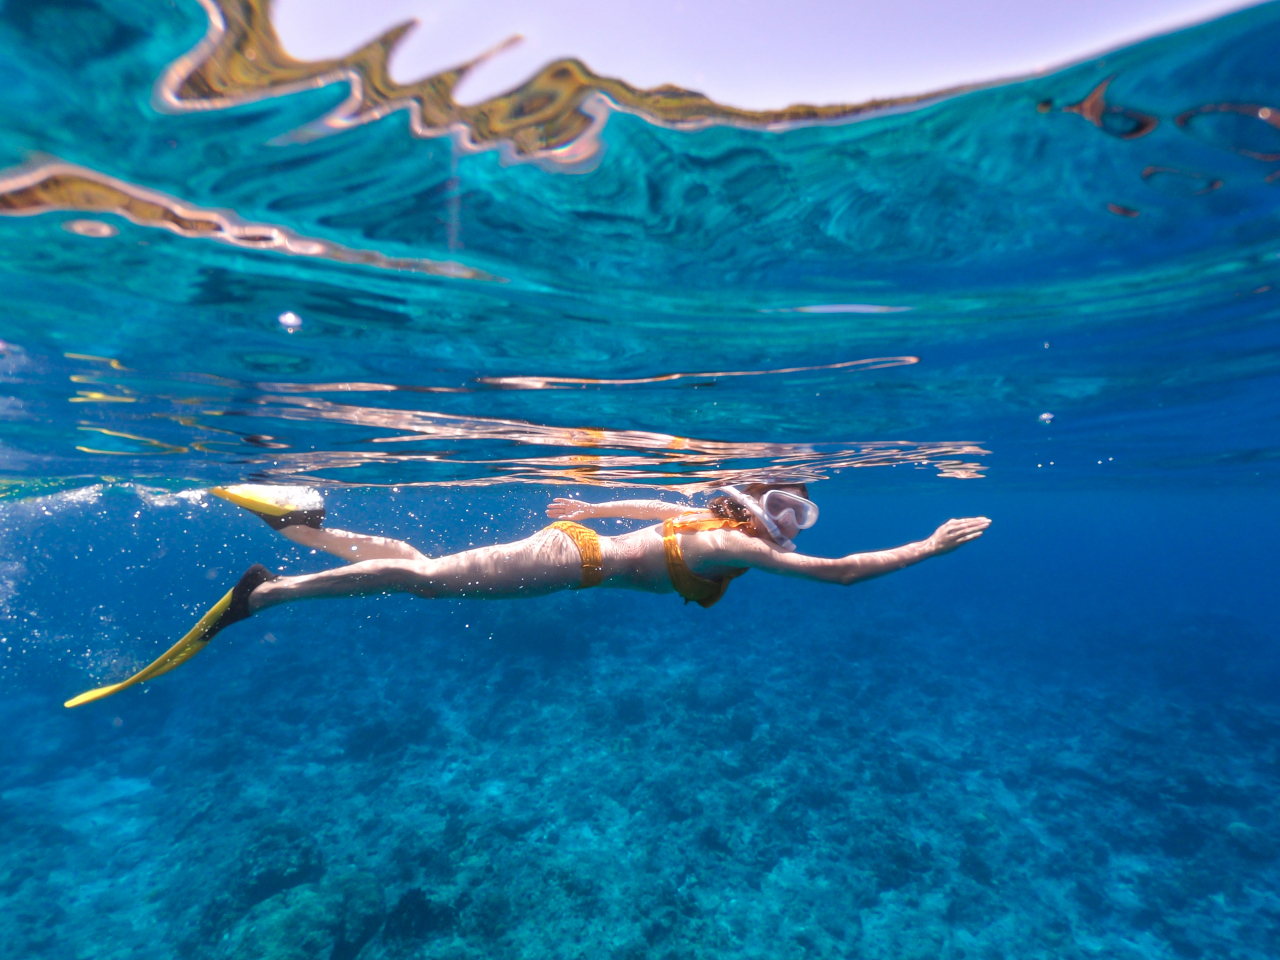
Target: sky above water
{"type": "Point", "coordinates": [746, 53]}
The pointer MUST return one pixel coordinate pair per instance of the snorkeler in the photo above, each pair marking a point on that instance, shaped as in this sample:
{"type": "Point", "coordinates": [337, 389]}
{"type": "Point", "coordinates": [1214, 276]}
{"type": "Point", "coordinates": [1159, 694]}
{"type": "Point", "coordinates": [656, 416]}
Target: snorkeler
{"type": "Point", "coordinates": [694, 551]}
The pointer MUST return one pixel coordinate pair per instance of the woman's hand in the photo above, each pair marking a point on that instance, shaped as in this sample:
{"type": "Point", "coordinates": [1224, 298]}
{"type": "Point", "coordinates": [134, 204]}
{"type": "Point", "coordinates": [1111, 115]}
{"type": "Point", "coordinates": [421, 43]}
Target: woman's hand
{"type": "Point", "coordinates": [562, 509]}
{"type": "Point", "coordinates": [955, 533]}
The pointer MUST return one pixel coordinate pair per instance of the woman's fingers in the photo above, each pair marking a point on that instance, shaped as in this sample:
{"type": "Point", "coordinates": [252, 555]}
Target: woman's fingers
{"type": "Point", "coordinates": [563, 509]}
{"type": "Point", "coordinates": [953, 533]}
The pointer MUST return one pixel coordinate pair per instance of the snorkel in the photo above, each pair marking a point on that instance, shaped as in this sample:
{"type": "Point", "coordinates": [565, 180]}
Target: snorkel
{"type": "Point", "coordinates": [774, 507]}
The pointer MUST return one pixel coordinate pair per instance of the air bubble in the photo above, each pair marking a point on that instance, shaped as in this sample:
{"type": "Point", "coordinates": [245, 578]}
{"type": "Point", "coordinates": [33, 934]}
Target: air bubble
{"type": "Point", "coordinates": [91, 228]}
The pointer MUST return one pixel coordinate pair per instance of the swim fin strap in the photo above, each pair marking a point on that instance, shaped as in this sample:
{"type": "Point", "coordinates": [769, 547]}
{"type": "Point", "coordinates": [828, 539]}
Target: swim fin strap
{"type": "Point", "coordinates": [192, 643]}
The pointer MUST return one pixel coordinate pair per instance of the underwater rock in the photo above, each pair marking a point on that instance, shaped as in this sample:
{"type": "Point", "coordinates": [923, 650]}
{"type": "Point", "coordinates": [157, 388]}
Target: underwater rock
{"type": "Point", "coordinates": [297, 924]}
{"type": "Point", "coordinates": [679, 805]}
{"type": "Point", "coordinates": [455, 833]}
{"type": "Point", "coordinates": [415, 918]}
{"type": "Point", "coordinates": [1090, 897]}
{"type": "Point", "coordinates": [906, 779]}
{"type": "Point", "coordinates": [583, 892]}
{"type": "Point", "coordinates": [896, 862]}
{"type": "Point", "coordinates": [281, 857]}
{"type": "Point", "coordinates": [330, 921]}
{"type": "Point", "coordinates": [363, 910]}
{"type": "Point", "coordinates": [742, 724]}
{"type": "Point", "coordinates": [965, 906]}
{"type": "Point", "coordinates": [710, 838]}
{"type": "Point", "coordinates": [975, 868]}
{"type": "Point", "coordinates": [516, 827]}
{"type": "Point", "coordinates": [389, 737]}
{"type": "Point", "coordinates": [1183, 837]}
{"type": "Point", "coordinates": [374, 739]}
{"type": "Point", "coordinates": [1250, 842]}
{"type": "Point", "coordinates": [717, 694]}
{"type": "Point", "coordinates": [629, 710]}
{"type": "Point", "coordinates": [658, 925]}
{"type": "Point", "coordinates": [490, 914]}
{"type": "Point", "coordinates": [435, 864]}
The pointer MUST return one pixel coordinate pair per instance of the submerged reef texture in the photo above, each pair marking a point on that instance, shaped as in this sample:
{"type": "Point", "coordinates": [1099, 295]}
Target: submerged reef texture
{"type": "Point", "coordinates": [521, 784]}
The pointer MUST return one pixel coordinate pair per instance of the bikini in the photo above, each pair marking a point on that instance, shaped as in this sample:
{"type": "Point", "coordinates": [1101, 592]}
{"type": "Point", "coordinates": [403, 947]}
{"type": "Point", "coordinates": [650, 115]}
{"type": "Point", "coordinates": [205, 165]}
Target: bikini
{"type": "Point", "coordinates": [695, 589]}
{"type": "Point", "coordinates": [588, 543]}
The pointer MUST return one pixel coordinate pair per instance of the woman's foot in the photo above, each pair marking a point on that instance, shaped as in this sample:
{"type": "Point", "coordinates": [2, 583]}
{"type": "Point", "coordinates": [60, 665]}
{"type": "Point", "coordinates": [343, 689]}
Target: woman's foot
{"type": "Point", "coordinates": [239, 608]}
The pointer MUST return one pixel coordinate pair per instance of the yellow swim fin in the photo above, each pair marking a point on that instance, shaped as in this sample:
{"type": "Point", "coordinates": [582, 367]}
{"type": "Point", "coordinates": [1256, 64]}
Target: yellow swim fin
{"type": "Point", "coordinates": [232, 608]}
{"type": "Point", "coordinates": [276, 505]}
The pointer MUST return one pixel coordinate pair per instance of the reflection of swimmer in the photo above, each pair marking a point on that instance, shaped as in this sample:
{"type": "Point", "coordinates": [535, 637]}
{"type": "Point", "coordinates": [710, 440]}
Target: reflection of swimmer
{"type": "Point", "coordinates": [694, 552]}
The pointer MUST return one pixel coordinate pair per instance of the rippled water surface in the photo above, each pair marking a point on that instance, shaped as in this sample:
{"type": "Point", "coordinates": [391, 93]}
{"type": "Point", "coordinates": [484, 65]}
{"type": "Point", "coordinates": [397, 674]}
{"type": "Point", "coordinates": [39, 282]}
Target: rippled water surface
{"type": "Point", "coordinates": [1053, 302]}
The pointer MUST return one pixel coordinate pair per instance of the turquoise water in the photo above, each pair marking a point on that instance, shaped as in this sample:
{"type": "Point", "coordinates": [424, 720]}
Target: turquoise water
{"type": "Point", "coordinates": [1060, 741]}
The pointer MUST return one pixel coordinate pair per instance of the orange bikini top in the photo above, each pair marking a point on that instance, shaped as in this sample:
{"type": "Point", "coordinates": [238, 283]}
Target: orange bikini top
{"type": "Point", "coordinates": [688, 584]}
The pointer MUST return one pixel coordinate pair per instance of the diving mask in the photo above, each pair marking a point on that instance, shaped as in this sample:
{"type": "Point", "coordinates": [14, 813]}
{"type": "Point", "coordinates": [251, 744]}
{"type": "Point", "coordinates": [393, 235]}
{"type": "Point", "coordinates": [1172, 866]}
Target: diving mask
{"type": "Point", "coordinates": [778, 507]}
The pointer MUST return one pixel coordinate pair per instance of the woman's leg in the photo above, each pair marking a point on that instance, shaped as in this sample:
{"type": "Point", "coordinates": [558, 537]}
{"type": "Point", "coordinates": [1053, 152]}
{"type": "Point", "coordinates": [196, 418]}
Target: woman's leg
{"type": "Point", "coordinates": [351, 547]}
{"type": "Point", "coordinates": [298, 512]}
{"type": "Point", "coordinates": [544, 563]}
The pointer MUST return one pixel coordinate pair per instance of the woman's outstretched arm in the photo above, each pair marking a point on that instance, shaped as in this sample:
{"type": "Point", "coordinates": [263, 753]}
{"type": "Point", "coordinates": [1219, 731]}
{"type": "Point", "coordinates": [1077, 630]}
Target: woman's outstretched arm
{"type": "Point", "coordinates": [562, 509]}
{"type": "Point", "coordinates": [843, 570]}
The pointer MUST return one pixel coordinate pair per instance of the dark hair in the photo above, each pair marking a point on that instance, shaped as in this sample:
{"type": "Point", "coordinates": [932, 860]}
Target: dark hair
{"type": "Point", "coordinates": [729, 509]}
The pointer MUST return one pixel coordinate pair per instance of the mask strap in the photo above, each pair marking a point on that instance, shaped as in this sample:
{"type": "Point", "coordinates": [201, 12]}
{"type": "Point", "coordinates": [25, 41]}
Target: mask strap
{"type": "Point", "coordinates": [753, 507]}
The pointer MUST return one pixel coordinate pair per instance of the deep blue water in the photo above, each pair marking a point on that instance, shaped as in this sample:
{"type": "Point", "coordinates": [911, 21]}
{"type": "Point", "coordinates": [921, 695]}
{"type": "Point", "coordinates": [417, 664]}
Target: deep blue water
{"type": "Point", "coordinates": [1060, 741]}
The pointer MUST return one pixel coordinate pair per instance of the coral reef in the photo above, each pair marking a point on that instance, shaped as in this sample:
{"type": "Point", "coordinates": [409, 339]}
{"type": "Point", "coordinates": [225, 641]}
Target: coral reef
{"type": "Point", "coordinates": [519, 786]}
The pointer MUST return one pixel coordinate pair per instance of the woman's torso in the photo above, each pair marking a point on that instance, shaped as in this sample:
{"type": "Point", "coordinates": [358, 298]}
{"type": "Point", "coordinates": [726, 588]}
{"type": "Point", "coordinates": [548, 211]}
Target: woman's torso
{"type": "Point", "coordinates": [638, 560]}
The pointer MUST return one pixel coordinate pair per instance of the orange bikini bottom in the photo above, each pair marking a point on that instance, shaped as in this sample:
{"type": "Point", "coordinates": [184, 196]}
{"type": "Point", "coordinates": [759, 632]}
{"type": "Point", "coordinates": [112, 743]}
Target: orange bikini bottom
{"type": "Point", "coordinates": [588, 543]}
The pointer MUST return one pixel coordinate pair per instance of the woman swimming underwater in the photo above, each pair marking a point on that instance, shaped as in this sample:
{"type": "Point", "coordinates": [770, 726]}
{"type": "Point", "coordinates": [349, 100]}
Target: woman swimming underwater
{"type": "Point", "coordinates": [694, 551]}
